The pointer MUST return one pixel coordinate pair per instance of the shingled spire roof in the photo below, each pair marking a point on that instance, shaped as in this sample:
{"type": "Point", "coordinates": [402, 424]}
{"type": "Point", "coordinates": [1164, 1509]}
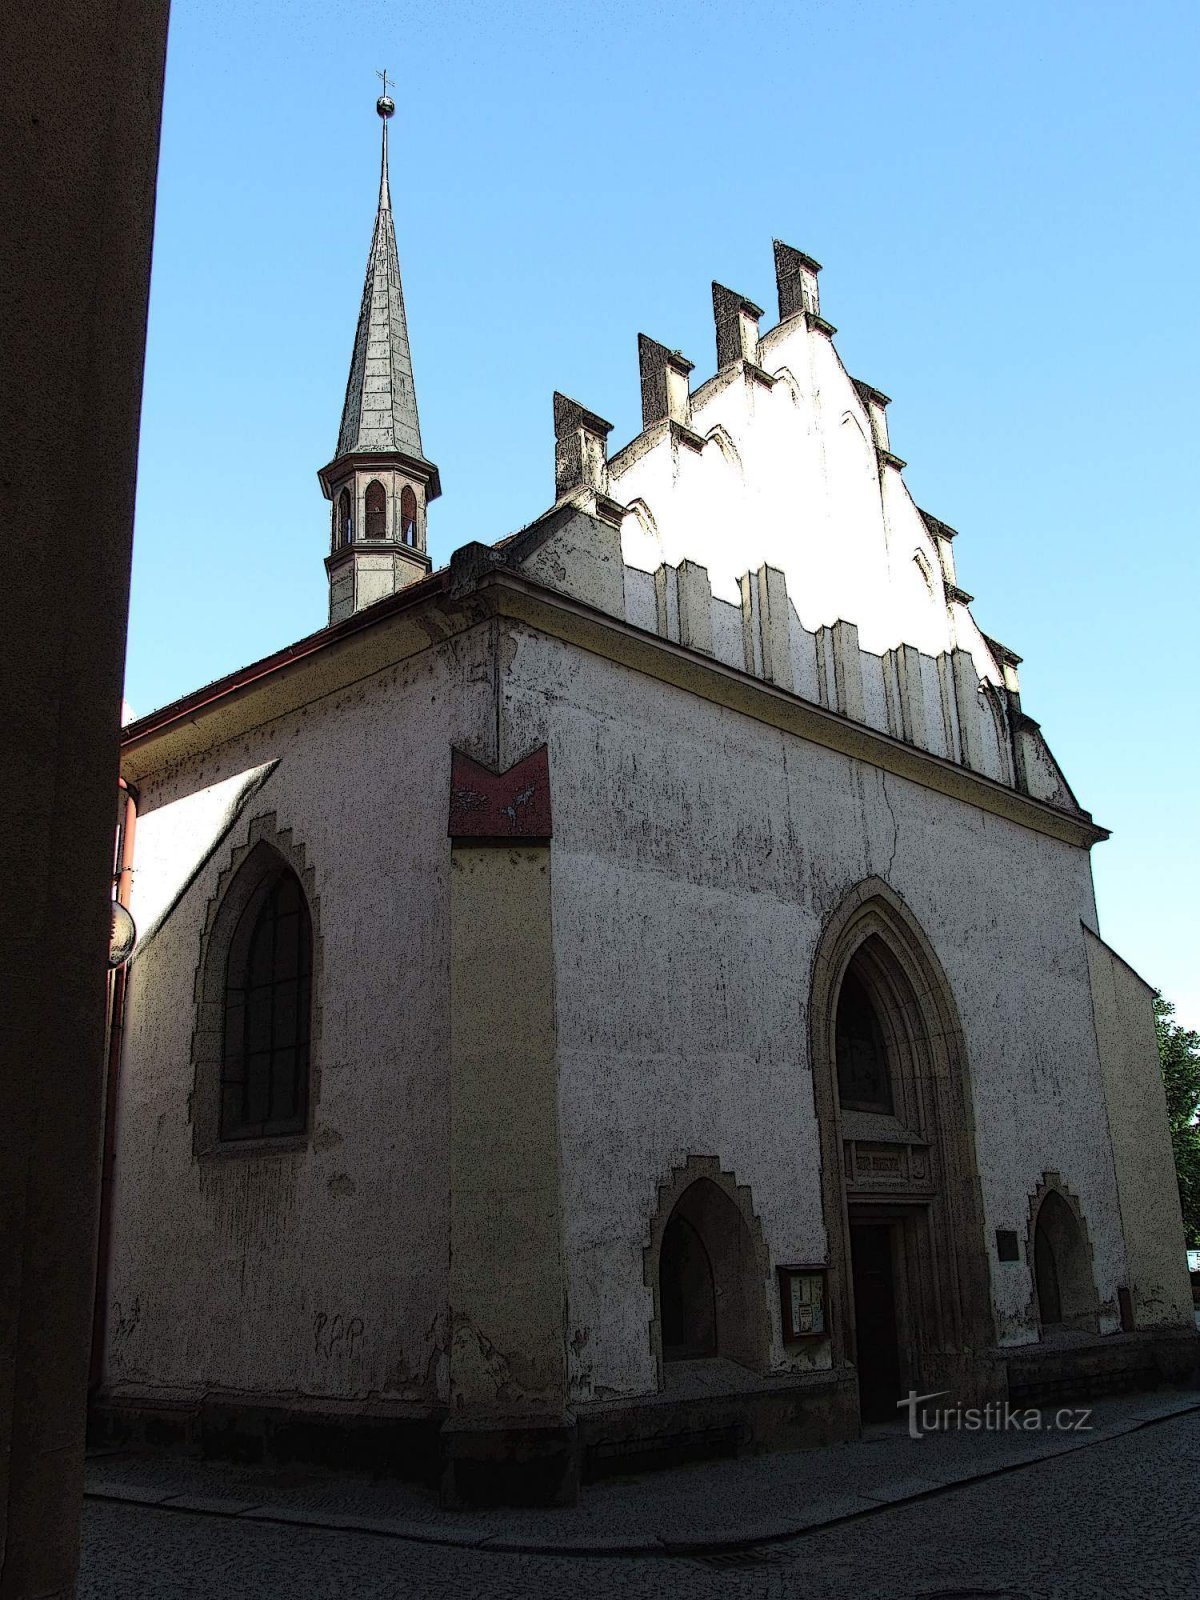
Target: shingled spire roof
{"type": "Point", "coordinates": [380, 412]}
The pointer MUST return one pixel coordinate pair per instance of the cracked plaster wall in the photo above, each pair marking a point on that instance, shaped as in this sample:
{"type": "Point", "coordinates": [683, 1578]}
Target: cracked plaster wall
{"type": "Point", "coordinates": [696, 856]}
{"type": "Point", "coordinates": [320, 1271]}
{"type": "Point", "coordinates": [1137, 1107]}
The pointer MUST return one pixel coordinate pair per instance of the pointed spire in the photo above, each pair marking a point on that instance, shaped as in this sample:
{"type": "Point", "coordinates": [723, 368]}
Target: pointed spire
{"type": "Point", "coordinates": [385, 188]}
{"type": "Point", "coordinates": [380, 412]}
{"type": "Point", "coordinates": [380, 483]}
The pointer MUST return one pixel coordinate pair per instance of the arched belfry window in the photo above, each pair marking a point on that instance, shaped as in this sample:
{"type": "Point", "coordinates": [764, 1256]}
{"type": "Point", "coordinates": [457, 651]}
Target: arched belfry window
{"type": "Point", "coordinates": [345, 519]}
{"type": "Point", "coordinates": [408, 515]}
{"type": "Point", "coordinates": [376, 510]}
{"type": "Point", "coordinates": [268, 1008]}
{"type": "Point", "coordinates": [864, 1081]}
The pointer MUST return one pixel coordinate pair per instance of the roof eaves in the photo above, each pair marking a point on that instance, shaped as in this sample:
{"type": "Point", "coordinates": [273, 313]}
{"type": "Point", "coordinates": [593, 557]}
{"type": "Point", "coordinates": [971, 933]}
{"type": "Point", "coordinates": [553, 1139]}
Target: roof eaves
{"type": "Point", "coordinates": [177, 710]}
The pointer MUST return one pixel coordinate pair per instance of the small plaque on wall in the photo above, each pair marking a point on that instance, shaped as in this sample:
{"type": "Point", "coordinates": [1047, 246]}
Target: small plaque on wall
{"type": "Point", "coordinates": [802, 1303]}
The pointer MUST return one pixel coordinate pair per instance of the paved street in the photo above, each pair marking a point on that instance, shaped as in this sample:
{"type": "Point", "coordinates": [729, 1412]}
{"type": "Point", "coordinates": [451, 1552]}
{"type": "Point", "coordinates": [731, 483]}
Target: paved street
{"type": "Point", "coordinates": [1119, 1517]}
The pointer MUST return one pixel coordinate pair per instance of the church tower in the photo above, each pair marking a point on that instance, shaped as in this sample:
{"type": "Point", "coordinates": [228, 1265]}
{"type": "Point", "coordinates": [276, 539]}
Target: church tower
{"type": "Point", "coordinates": [379, 483]}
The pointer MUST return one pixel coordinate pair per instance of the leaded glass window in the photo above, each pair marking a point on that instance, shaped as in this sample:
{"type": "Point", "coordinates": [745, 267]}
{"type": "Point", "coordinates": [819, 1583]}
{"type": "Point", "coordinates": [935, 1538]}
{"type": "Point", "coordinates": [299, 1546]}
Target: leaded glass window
{"type": "Point", "coordinates": [864, 1082]}
{"type": "Point", "coordinates": [268, 995]}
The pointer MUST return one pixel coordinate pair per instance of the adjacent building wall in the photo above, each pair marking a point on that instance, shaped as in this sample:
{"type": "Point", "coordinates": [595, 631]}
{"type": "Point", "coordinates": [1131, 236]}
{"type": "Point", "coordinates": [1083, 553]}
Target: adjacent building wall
{"type": "Point", "coordinates": [79, 126]}
{"type": "Point", "coordinates": [1122, 1005]}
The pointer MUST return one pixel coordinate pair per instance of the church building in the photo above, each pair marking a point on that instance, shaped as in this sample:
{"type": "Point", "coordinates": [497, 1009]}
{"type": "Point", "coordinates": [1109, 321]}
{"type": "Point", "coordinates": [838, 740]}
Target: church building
{"type": "Point", "coordinates": [634, 992]}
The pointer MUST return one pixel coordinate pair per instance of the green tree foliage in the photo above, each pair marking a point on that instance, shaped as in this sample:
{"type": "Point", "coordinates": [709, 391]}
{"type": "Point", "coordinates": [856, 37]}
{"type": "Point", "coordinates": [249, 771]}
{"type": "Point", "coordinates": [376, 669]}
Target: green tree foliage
{"type": "Point", "coordinates": [1179, 1053]}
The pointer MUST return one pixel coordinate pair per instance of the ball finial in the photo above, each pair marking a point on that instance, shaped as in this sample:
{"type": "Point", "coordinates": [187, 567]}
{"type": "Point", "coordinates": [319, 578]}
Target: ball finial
{"type": "Point", "coordinates": [385, 105]}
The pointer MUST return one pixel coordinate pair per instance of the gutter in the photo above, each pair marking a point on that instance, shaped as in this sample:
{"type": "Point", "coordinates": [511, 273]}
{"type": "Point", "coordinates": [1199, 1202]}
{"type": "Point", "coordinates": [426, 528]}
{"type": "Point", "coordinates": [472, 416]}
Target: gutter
{"type": "Point", "coordinates": [117, 984]}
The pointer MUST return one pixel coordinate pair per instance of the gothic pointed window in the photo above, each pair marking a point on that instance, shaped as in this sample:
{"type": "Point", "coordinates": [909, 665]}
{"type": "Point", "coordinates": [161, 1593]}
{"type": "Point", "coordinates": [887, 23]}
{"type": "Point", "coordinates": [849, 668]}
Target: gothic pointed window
{"type": "Point", "coordinates": [268, 1005]}
{"type": "Point", "coordinates": [408, 515]}
{"type": "Point", "coordinates": [345, 519]}
{"type": "Point", "coordinates": [376, 510]}
{"type": "Point", "coordinates": [864, 1082]}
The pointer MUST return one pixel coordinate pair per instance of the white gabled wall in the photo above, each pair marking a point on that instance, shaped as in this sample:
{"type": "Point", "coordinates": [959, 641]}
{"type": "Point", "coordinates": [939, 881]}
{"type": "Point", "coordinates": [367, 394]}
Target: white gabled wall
{"type": "Point", "coordinates": [789, 475]}
{"type": "Point", "coordinates": [784, 467]}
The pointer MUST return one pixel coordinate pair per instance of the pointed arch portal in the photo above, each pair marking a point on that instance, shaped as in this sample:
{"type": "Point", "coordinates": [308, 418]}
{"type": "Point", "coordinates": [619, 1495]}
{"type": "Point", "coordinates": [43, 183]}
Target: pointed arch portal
{"type": "Point", "coordinates": [908, 1278]}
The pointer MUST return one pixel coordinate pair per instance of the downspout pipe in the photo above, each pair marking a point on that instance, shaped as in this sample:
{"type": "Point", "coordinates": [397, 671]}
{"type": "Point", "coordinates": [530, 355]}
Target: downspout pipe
{"type": "Point", "coordinates": [117, 982]}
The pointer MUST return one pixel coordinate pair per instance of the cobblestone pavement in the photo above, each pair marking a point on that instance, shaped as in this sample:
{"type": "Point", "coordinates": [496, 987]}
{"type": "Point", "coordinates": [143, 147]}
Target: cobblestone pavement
{"type": "Point", "coordinates": [1118, 1518]}
{"type": "Point", "coordinates": [730, 1502]}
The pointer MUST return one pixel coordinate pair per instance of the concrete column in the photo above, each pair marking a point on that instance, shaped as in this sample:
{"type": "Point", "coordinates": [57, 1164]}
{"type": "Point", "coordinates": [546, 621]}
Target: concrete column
{"type": "Point", "coordinates": [666, 393]}
{"type": "Point", "coordinates": [966, 695]}
{"type": "Point", "coordinates": [751, 632]}
{"type": "Point", "coordinates": [876, 404]}
{"type": "Point", "coordinates": [580, 448]}
{"type": "Point", "coordinates": [509, 1435]}
{"type": "Point", "coordinates": [847, 671]}
{"type": "Point", "coordinates": [666, 601]}
{"type": "Point", "coordinates": [695, 606]}
{"type": "Point", "coordinates": [796, 282]}
{"type": "Point", "coordinates": [736, 320]}
{"type": "Point", "coordinates": [79, 123]}
{"type": "Point", "coordinates": [774, 615]}
{"type": "Point", "coordinates": [912, 694]}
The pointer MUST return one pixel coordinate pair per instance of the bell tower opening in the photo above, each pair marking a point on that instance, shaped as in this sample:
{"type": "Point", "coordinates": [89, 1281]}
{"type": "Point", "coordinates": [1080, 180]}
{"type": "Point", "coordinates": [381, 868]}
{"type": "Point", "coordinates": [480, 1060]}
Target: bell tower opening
{"type": "Point", "coordinates": [408, 515]}
{"type": "Point", "coordinates": [376, 508]}
{"type": "Point", "coordinates": [343, 521]}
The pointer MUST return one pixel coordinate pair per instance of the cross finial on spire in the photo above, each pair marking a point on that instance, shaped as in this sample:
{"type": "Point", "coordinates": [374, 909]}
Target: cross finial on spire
{"type": "Point", "coordinates": [385, 106]}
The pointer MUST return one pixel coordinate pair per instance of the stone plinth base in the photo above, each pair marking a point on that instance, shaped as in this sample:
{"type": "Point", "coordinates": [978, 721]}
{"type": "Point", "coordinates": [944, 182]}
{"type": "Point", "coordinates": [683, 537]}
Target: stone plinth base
{"type": "Point", "coordinates": [710, 1409]}
{"type": "Point", "coordinates": [1086, 1366]}
{"type": "Point", "coordinates": [966, 1380]}
{"type": "Point", "coordinates": [707, 1409]}
{"type": "Point", "coordinates": [509, 1461]}
{"type": "Point", "coordinates": [398, 1439]}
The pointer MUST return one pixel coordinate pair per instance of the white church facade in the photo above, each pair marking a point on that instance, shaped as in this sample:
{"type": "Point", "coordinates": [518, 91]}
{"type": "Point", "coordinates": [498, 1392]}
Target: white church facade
{"type": "Point", "coordinates": [635, 991]}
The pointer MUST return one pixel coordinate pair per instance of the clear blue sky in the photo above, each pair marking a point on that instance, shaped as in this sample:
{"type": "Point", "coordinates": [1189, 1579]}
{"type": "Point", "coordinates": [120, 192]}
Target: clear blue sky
{"type": "Point", "coordinates": [1004, 197]}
